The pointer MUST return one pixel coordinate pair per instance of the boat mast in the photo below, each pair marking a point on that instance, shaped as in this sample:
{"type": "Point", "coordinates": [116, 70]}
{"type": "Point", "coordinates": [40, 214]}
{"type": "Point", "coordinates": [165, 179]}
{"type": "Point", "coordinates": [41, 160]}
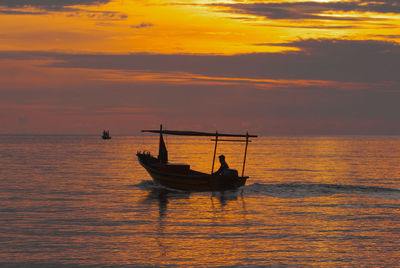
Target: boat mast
{"type": "Point", "coordinates": [245, 152]}
{"type": "Point", "coordinates": [162, 149]}
{"type": "Point", "coordinates": [215, 151]}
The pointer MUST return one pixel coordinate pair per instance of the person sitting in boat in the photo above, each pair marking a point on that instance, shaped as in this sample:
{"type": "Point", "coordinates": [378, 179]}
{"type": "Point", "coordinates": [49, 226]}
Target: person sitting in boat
{"type": "Point", "coordinates": [224, 166]}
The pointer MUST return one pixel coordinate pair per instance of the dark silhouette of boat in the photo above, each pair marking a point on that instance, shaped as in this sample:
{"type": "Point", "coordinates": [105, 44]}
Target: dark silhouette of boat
{"type": "Point", "coordinates": [181, 177]}
{"type": "Point", "coordinates": [106, 135]}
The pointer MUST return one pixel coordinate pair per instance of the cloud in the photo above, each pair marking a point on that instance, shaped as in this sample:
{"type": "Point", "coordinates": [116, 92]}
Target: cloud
{"type": "Point", "coordinates": [142, 25]}
{"type": "Point", "coordinates": [337, 27]}
{"type": "Point", "coordinates": [98, 15]}
{"type": "Point", "coordinates": [127, 107]}
{"type": "Point", "coordinates": [313, 10]}
{"type": "Point", "coordinates": [50, 5]}
{"type": "Point", "coordinates": [354, 61]}
{"type": "Point", "coordinates": [303, 96]}
{"type": "Point", "coordinates": [40, 7]}
{"type": "Point", "coordinates": [390, 36]}
{"type": "Point", "coordinates": [17, 12]}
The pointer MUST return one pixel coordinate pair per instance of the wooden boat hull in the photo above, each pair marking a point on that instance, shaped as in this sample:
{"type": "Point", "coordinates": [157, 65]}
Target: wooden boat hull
{"type": "Point", "coordinates": [192, 180]}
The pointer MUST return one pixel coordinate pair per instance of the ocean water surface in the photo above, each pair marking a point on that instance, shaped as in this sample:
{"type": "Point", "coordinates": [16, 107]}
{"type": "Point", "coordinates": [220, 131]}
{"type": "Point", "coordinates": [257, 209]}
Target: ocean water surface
{"type": "Point", "coordinates": [81, 201]}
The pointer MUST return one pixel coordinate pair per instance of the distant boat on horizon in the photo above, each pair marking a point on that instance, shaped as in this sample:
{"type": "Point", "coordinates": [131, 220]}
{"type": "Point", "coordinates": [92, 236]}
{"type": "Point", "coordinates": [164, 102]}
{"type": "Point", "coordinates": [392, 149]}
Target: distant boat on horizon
{"type": "Point", "coordinates": [106, 135]}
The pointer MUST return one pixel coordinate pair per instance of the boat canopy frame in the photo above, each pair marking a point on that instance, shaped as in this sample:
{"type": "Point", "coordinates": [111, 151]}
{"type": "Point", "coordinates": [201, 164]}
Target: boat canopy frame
{"type": "Point", "coordinates": [217, 135]}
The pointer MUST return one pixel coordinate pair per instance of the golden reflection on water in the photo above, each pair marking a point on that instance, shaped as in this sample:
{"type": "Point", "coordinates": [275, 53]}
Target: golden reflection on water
{"type": "Point", "coordinates": [331, 227]}
{"type": "Point", "coordinates": [330, 202]}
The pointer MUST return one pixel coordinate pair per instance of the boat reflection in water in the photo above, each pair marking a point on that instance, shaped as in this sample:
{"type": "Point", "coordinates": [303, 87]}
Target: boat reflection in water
{"type": "Point", "coordinates": [168, 225]}
{"type": "Point", "coordinates": [181, 177]}
{"type": "Point", "coordinates": [163, 195]}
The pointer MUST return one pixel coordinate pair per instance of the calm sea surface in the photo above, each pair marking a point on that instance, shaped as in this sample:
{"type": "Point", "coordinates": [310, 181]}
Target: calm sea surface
{"type": "Point", "coordinates": [313, 201]}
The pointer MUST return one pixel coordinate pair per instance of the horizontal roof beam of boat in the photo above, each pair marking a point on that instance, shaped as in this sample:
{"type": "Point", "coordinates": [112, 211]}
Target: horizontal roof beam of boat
{"type": "Point", "coordinates": [231, 140]}
{"type": "Point", "coordinates": [196, 133]}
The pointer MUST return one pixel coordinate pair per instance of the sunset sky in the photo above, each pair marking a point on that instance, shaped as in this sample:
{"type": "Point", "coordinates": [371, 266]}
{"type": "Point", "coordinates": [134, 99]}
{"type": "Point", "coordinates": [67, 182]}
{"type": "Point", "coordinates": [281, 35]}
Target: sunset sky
{"type": "Point", "coordinates": [279, 67]}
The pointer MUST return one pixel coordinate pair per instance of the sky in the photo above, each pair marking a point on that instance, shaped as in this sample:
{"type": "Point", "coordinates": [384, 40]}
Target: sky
{"type": "Point", "coordinates": [278, 67]}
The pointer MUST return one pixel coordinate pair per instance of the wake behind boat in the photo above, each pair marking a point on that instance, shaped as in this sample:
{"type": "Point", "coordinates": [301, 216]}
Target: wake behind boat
{"type": "Point", "coordinates": [181, 177]}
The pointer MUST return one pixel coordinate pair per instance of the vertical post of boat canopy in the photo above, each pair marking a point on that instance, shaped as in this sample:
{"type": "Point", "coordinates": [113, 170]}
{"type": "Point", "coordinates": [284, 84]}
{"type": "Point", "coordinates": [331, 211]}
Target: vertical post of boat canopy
{"type": "Point", "coordinates": [215, 151]}
{"type": "Point", "coordinates": [245, 152]}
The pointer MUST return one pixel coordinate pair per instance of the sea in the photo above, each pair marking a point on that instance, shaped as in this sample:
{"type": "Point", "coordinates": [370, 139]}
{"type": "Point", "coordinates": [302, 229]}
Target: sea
{"type": "Point", "coordinates": [80, 201]}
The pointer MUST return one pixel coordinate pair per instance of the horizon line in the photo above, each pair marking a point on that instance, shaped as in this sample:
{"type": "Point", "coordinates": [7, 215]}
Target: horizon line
{"type": "Point", "coordinates": [262, 135]}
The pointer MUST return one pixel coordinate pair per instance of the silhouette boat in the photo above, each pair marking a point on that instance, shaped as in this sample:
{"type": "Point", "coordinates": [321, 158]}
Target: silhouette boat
{"type": "Point", "coordinates": [106, 135]}
{"type": "Point", "coordinates": [181, 177]}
